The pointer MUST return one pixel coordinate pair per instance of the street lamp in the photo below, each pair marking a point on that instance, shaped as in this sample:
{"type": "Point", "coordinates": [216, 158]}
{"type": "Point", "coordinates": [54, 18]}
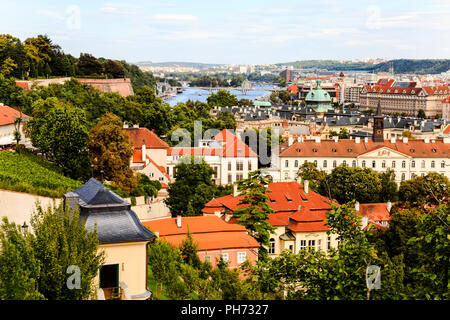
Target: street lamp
{"type": "Point", "coordinates": [24, 228]}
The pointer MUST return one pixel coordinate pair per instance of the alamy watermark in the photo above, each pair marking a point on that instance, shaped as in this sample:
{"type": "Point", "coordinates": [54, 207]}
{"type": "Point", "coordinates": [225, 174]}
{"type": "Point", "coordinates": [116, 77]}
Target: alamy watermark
{"type": "Point", "coordinates": [74, 280]}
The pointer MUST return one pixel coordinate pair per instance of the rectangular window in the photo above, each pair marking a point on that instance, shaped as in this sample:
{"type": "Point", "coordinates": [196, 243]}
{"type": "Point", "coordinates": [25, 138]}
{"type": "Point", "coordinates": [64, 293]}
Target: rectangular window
{"type": "Point", "coordinates": [286, 163]}
{"type": "Point", "coordinates": [215, 173]}
{"type": "Point", "coordinates": [239, 177]}
{"type": "Point", "coordinates": [242, 256]}
{"type": "Point", "coordinates": [319, 245]}
{"type": "Point", "coordinates": [328, 243]}
{"type": "Point", "coordinates": [249, 165]}
{"type": "Point", "coordinates": [208, 259]}
{"type": "Point", "coordinates": [230, 179]}
{"type": "Point", "coordinates": [239, 166]}
{"type": "Point", "coordinates": [229, 165]}
{"type": "Point", "coordinates": [224, 257]}
{"type": "Point", "coordinates": [302, 244]}
{"type": "Point", "coordinates": [311, 244]}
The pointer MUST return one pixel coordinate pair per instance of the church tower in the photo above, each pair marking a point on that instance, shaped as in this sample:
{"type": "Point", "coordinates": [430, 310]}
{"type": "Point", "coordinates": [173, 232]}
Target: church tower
{"type": "Point", "coordinates": [378, 125]}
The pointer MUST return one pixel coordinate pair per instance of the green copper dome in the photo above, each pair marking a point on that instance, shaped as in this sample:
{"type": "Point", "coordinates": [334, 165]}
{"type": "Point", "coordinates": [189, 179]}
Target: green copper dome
{"type": "Point", "coordinates": [318, 94]}
{"type": "Point", "coordinates": [318, 99]}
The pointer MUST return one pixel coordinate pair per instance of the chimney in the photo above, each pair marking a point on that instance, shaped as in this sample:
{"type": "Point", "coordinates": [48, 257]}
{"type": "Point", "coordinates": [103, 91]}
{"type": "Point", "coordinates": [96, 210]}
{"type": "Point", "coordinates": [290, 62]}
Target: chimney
{"type": "Point", "coordinates": [426, 140]}
{"type": "Point", "coordinates": [389, 206]}
{"type": "Point", "coordinates": [125, 125]}
{"type": "Point", "coordinates": [235, 190]}
{"type": "Point", "coordinates": [179, 221]}
{"type": "Point", "coordinates": [366, 140]}
{"type": "Point", "coordinates": [336, 139]}
{"type": "Point", "coordinates": [357, 206]}
{"type": "Point", "coordinates": [405, 140]}
{"type": "Point", "coordinates": [136, 126]}
{"type": "Point", "coordinates": [357, 140]}
{"type": "Point", "coordinates": [306, 186]}
{"type": "Point", "coordinates": [144, 151]}
{"type": "Point", "coordinates": [317, 139]}
{"type": "Point", "coordinates": [364, 222]}
{"type": "Point", "coordinates": [392, 139]}
{"type": "Point", "coordinates": [290, 141]}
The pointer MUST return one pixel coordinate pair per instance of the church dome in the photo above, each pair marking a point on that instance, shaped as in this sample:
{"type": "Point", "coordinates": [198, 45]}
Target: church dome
{"type": "Point", "coordinates": [318, 94]}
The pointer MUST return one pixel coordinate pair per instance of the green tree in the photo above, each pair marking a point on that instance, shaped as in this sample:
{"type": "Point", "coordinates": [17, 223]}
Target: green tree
{"type": "Point", "coordinates": [254, 210]}
{"type": "Point", "coordinates": [421, 114]}
{"type": "Point", "coordinates": [193, 186]}
{"type": "Point", "coordinates": [60, 132]}
{"type": "Point", "coordinates": [20, 268]}
{"type": "Point", "coordinates": [59, 240]}
{"type": "Point", "coordinates": [389, 188]}
{"type": "Point", "coordinates": [429, 189]}
{"type": "Point", "coordinates": [110, 151]}
{"type": "Point", "coordinates": [309, 171]}
{"type": "Point", "coordinates": [222, 98]}
{"type": "Point", "coordinates": [348, 183]}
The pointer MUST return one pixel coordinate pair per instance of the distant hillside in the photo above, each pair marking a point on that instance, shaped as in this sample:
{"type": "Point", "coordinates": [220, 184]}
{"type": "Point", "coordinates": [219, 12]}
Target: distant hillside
{"type": "Point", "coordinates": [424, 66]}
{"type": "Point", "coordinates": [416, 66]}
{"type": "Point", "coordinates": [328, 65]}
{"type": "Point", "coordinates": [178, 64]}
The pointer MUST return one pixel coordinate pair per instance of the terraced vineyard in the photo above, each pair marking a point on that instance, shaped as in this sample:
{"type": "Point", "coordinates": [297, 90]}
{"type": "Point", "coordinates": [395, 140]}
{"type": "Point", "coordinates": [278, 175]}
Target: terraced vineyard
{"type": "Point", "coordinates": [26, 172]}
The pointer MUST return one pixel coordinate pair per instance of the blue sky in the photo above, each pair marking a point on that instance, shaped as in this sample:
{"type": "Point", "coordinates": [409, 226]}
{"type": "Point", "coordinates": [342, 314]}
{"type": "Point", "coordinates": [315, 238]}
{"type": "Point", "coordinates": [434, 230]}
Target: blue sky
{"type": "Point", "coordinates": [240, 32]}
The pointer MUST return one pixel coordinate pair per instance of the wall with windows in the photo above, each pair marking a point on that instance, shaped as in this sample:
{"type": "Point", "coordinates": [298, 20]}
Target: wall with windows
{"type": "Point", "coordinates": [234, 256]}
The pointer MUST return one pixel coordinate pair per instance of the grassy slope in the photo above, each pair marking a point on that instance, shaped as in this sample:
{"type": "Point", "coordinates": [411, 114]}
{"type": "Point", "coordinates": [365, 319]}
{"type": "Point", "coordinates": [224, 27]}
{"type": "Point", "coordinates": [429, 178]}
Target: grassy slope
{"type": "Point", "coordinates": [26, 172]}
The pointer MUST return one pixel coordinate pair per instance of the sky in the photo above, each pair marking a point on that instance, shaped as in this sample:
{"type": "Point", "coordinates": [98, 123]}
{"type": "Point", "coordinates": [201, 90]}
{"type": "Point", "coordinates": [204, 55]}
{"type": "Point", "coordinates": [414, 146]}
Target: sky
{"type": "Point", "coordinates": [236, 31]}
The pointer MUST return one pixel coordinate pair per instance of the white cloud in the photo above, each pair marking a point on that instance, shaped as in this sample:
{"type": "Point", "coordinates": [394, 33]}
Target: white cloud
{"type": "Point", "coordinates": [51, 14]}
{"type": "Point", "coordinates": [172, 17]}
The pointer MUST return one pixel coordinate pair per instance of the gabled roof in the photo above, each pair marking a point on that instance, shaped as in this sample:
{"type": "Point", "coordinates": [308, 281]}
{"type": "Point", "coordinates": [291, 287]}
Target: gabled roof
{"type": "Point", "coordinates": [232, 146]}
{"type": "Point", "coordinates": [374, 211]}
{"type": "Point", "coordinates": [293, 207]}
{"type": "Point", "coordinates": [8, 115]}
{"type": "Point", "coordinates": [140, 136]}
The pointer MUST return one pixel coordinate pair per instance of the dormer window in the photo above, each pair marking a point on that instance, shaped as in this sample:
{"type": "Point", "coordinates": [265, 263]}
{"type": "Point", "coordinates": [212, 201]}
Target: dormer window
{"type": "Point", "coordinates": [314, 150]}
{"type": "Point", "coordinates": [412, 91]}
{"type": "Point", "coordinates": [334, 150]}
{"type": "Point", "coordinates": [433, 150]}
{"type": "Point", "coordinates": [412, 150]}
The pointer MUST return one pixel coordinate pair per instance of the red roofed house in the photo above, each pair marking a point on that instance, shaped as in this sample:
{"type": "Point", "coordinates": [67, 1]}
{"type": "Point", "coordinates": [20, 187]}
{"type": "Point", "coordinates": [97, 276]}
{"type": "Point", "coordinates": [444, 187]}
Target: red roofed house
{"type": "Point", "coordinates": [404, 99]}
{"type": "Point", "coordinates": [228, 155]}
{"type": "Point", "coordinates": [150, 154]}
{"type": "Point", "coordinates": [377, 214]}
{"type": "Point", "coordinates": [299, 216]}
{"type": "Point", "coordinates": [7, 117]}
{"type": "Point", "coordinates": [215, 238]}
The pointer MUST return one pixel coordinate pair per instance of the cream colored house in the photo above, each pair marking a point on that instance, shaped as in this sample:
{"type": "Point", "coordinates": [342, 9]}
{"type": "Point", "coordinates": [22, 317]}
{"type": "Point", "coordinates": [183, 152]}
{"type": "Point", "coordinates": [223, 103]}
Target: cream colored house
{"type": "Point", "coordinates": [8, 116]}
{"type": "Point", "coordinates": [231, 159]}
{"type": "Point", "coordinates": [407, 158]}
{"type": "Point", "coordinates": [122, 238]}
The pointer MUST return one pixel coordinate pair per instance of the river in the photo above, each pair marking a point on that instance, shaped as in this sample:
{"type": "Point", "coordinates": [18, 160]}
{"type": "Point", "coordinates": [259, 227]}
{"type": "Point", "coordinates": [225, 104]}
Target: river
{"type": "Point", "coordinates": [202, 95]}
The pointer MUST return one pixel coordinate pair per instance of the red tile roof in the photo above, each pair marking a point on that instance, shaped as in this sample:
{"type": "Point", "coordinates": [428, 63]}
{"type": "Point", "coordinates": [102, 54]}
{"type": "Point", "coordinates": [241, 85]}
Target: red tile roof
{"type": "Point", "coordinates": [349, 148]}
{"type": "Point", "coordinates": [209, 232]}
{"type": "Point", "coordinates": [293, 207]}
{"type": "Point", "coordinates": [139, 136]}
{"type": "Point", "coordinates": [374, 211]}
{"type": "Point", "coordinates": [232, 146]}
{"type": "Point", "coordinates": [8, 115]}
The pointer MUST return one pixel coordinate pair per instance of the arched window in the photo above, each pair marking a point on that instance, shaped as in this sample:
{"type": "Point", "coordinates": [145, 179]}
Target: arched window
{"type": "Point", "coordinates": [334, 163]}
{"type": "Point", "coordinates": [432, 164]}
{"type": "Point", "coordinates": [363, 164]}
{"type": "Point", "coordinates": [413, 164]}
{"type": "Point", "coordinates": [286, 163]}
{"type": "Point", "coordinates": [383, 164]}
{"type": "Point", "coordinates": [403, 176]}
{"type": "Point", "coordinates": [403, 164]}
{"type": "Point", "coordinates": [325, 163]}
{"type": "Point", "coordinates": [315, 163]}
{"type": "Point", "coordinates": [344, 162]}
{"type": "Point", "coordinates": [374, 164]}
{"type": "Point", "coordinates": [393, 164]}
{"type": "Point", "coordinates": [443, 164]}
{"type": "Point", "coordinates": [296, 163]}
{"type": "Point", "coordinates": [354, 163]}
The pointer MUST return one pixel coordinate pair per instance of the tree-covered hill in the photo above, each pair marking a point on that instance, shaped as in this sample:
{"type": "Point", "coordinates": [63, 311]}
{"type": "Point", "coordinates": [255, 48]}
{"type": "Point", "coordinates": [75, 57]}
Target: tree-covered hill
{"type": "Point", "coordinates": [415, 66]}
